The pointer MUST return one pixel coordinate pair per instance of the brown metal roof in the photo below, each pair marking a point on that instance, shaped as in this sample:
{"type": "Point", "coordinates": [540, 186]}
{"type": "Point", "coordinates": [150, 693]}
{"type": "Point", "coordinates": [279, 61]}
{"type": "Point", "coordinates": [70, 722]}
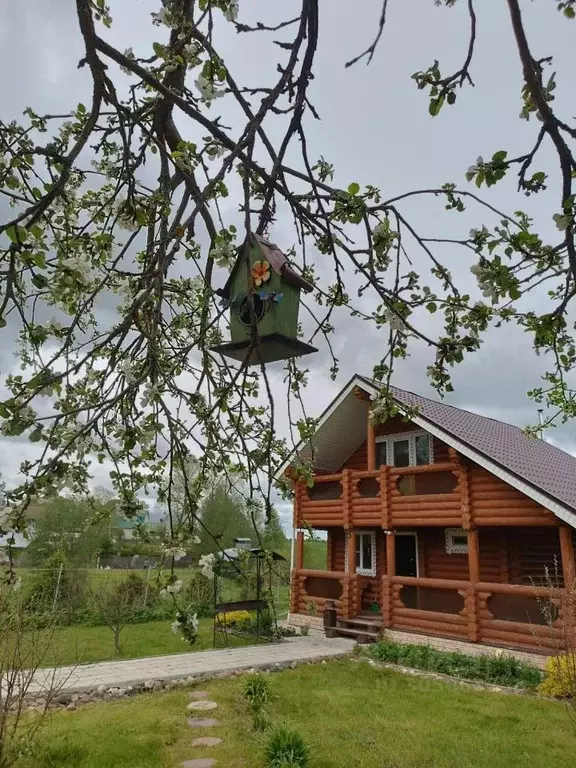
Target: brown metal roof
{"type": "Point", "coordinates": [278, 262]}
{"type": "Point", "coordinates": [538, 463]}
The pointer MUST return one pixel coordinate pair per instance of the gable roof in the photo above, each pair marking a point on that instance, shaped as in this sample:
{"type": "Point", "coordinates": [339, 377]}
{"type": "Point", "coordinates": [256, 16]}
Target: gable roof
{"type": "Point", "coordinates": [279, 263]}
{"type": "Point", "coordinates": [540, 470]}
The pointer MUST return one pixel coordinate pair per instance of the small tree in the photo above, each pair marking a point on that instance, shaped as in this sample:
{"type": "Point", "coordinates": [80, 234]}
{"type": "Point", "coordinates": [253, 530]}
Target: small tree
{"type": "Point", "coordinates": [22, 652]}
{"type": "Point", "coordinates": [119, 605]}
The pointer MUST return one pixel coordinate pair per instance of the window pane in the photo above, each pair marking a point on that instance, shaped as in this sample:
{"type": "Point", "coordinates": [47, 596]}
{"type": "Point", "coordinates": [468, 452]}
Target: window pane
{"type": "Point", "coordinates": [381, 454]}
{"type": "Point", "coordinates": [401, 453]}
{"type": "Point", "coordinates": [358, 544]}
{"type": "Point", "coordinates": [367, 552]}
{"type": "Point", "coordinates": [422, 449]}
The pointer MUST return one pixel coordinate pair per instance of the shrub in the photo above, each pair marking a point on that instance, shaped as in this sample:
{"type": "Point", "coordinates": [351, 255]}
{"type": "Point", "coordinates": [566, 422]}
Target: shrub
{"type": "Point", "coordinates": [235, 617]}
{"type": "Point", "coordinates": [286, 749]}
{"type": "Point", "coordinates": [560, 676]}
{"type": "Point", "coordinates": [68, 586]}
{"type": "Point", "coordinates": [499, 670]}
{"type": "Point", "coordinates": [199, 593]}
{"type": "Point", "coordinates": [256, 688]}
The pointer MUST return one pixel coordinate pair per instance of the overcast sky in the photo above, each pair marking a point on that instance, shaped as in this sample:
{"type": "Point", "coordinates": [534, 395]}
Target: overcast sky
{"type": "Point", "coordinates": [375, 128]}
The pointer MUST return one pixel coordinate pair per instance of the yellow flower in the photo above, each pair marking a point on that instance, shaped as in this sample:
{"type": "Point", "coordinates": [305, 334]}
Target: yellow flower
{"type": "Point", "coordinates": [260, 272]}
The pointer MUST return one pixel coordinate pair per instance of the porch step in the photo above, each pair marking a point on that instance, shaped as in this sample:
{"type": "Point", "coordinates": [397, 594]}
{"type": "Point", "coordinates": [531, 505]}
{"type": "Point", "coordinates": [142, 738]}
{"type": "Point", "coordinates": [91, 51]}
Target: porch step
{"type": "Point", "coordinates": [358, 632]}
{"type": "Point", "coordinates": [360, 627]}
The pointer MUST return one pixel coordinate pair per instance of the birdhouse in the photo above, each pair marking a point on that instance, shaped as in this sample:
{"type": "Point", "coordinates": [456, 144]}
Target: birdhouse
{"type": "Point", "coordinates": [274, 289]}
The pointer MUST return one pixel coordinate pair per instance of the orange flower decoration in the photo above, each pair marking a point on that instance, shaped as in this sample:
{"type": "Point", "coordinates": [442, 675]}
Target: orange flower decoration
{"type": "Point", "coordinates": [260, 272]}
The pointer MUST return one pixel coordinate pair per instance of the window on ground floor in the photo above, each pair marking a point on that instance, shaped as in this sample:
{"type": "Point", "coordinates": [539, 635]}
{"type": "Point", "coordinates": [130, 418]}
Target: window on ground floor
{"type": "Point", "coordinates": [366, 553]}
{"type": "Point", "coordinates": [456, 541]}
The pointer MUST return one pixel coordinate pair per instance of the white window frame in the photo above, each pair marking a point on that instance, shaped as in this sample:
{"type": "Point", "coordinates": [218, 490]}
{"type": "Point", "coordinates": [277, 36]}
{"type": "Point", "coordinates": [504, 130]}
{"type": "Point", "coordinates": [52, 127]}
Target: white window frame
{"type": "Point", "coordinates": [417, 548]}
{"type": "Point", "coordinates": [411, 437]}
{"type": "Point", "coordinates": [451, 547]}
{"type": "Point", "coordinates": [362, 571]}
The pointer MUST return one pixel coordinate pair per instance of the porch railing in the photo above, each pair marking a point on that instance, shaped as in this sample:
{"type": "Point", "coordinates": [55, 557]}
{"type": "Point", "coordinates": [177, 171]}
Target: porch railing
{"type": "Point", "coordinates": [513, 615]}
{"type": "Point", "coordinates": [390, 496]}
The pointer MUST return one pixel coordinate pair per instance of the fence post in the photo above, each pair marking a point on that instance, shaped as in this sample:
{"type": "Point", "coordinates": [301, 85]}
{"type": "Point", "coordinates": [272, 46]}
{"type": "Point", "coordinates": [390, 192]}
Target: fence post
{"type": "Point", "coordinates": [57, 588]}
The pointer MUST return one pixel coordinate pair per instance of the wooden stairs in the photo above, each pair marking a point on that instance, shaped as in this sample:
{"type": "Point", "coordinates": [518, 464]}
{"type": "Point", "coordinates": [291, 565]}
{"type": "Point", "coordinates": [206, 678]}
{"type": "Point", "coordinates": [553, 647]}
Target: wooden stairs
{"type": "Point", "coordinates": [365, 627]}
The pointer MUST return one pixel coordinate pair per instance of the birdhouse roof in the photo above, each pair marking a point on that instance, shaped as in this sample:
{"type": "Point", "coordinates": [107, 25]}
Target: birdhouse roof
{"type": "Point", "coordinates": [278, 262]}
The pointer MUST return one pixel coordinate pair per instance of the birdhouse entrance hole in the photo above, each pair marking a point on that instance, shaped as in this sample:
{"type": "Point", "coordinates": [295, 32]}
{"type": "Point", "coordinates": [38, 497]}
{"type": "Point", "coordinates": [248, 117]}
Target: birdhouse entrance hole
{"type": "Point", "coordinates": [244, 311]}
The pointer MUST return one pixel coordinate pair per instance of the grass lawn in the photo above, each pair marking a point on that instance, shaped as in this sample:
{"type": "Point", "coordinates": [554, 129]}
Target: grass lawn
{"type": "Point", "coordinates": [81, 645]}
{"type": "Point", "coordinates": [350, 713]}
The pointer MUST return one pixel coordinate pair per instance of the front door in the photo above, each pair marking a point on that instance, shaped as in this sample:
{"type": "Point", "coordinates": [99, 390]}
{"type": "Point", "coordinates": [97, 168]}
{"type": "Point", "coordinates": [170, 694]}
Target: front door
{"type": "Point", "coordinates": [407, 565]}
{"type": "Point", "coordinates": [406, 554]}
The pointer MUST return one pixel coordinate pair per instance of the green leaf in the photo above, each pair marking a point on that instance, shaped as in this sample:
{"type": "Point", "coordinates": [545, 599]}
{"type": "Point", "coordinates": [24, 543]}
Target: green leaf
{"type": "Point", "coordinates": [436, 105]}
{"type": "Point", "coordinates": [451, 98]}
{"type": "Point", "coordinates": [36, 436]}
{"type": "Point", "coordinates": [500, 156]}
{"type": "Point", "coordinates": [354, 188]}
{"type": "Point", "coordinates": [2, 322]}
{"type": "Point", "coordinates": [39, 281]}
{"type": "Point", "coordinates": [17, 233]}
{"type": "Point", "coordinates": [431, 307]}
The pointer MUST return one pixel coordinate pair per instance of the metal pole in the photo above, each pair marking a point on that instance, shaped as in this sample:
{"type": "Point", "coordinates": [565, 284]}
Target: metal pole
{"type": "Point", "coordinates": [57, 590]}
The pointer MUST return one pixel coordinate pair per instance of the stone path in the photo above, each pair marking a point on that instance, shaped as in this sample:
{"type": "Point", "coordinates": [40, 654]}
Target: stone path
{"type": "Point", "coordinates": [162, 669]}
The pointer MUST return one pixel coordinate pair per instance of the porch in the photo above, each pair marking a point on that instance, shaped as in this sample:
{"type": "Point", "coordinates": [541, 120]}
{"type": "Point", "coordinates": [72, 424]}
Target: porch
{"type": "Point", "coordinates": [494, 587]}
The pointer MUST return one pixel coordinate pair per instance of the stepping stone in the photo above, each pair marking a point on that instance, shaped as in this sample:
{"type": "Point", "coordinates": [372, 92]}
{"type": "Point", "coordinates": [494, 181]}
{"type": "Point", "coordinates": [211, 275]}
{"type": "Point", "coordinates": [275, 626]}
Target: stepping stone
{"type": "Point", "coordinates": [202, 705]}
{"type": "Point", "coordinates": [202, 722]}
{"type": "Point", "coordinates": [207, 741]}
{"type": "Point", "coordinates": [203, 762]}
{"type": "Point", "coordinates": [199, 694]}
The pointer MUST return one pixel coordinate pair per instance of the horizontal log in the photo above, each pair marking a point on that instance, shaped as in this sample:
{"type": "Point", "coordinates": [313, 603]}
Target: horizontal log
{"type": "Point", "coordinates": [334, 575]}
{"type": "Point", "coordinates": [362, 474]}
{"type": "Point", "coordinates": [414, 581]}
{"type": "Point", "coordinates": [516, 639]}
{"type": "Point", "coordinates": [428, 498]}
{"type": "Point", "coordinates": [432, 522]}
{"type": "Point", "coordinates": [429, 616]}
{"type": "Point", "coordinates": [493, 587]}
{"type": "Point", "coordinates": [497, 494]}
{"type": "Point", "coordinates": [316, 503]}
{"type": "Point", "coordinates": [506, 520]}
{"type": "Point", "coordinates": [318, 479]}
{"type": "Point", "coordinates": [501, 625]}
{"type": "Point", "coordinates": [481, 504]}
{"type": "Point", "coordinates": [422, 469]}
{"type": "Point", "coordinates": [430, 627]}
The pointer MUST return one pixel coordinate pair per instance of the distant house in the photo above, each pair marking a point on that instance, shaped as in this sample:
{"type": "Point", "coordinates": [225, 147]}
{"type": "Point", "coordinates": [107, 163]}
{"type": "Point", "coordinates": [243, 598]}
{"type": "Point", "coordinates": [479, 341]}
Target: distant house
{"type": "Point", "coordinates": [123, 528]}
{"type": "Point", "coordinates": [442, 523]}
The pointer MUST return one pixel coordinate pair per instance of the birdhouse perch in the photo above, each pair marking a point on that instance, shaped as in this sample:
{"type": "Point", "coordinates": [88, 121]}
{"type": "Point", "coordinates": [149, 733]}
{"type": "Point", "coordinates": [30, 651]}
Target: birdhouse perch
{"type": "Point", "coordinates": [275, 289]}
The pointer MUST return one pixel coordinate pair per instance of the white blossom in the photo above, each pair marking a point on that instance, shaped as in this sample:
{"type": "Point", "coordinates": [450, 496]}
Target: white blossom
{"type": "Point", "coordinates": [175, 626]}
{"type": "Point", "coordinates": [164, 593]}
{"type": "Point", "coordinates": [206, 563]}
{"type": "Point", "coordinates": [192, 49]}
{"type": "Point", "coordinates": [394, 321]}
{"type": "Point", "coordinates": [223, 253]}
{"type": "Point", "coordinates": [165, 17]}
{"type": "Point", "coordinates": [207, 88]}
{"type": "Point", "coordinates": [78, 263]}
{"type": "Point", "coordinates": [216, 150]}
{"type": "Point", "coordinates": [195, 539]}
{"type": "Point", "coordinates": [17, 584]}
{"type": "Point", "coordinates": [231, 13]}
{"type": "Point", "coordinates": [476, 270]}
{"type": "Point", "coordinates": [128, 371]}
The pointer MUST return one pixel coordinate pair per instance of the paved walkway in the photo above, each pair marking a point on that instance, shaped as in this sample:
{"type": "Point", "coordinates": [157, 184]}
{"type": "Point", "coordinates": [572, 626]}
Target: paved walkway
{"type": "Point", "coordinates": [120, 674]}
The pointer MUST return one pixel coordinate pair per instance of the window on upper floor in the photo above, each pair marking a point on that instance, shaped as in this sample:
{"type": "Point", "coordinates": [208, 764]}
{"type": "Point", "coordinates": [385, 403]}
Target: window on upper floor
{"type": "Point", "coordinates": [409, 449]}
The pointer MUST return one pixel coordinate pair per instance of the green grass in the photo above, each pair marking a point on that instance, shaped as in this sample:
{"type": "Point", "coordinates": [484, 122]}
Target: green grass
{"type": "Point", "coordinates": [350, 714]}
{"type": "Point", "coordinates": [82, 645]}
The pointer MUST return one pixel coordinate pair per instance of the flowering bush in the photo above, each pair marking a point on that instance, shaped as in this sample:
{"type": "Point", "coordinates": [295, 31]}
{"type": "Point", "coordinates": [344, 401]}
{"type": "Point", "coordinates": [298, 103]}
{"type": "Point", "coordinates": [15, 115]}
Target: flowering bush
{"type": "Point", "coordinates": [560, 676]}
{"type": "Point", "coordinates": [235, 617]}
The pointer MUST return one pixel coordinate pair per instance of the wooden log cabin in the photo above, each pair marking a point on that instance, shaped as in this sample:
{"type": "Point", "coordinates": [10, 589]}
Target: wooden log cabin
{"type": "Point", "coordinates": [449, 524]}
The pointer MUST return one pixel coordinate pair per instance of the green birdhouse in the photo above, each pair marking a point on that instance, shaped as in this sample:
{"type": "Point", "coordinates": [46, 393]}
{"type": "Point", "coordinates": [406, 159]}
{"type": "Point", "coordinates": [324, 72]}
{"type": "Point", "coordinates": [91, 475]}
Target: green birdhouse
{"type": "Point", "coordinates": [267, 295]}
